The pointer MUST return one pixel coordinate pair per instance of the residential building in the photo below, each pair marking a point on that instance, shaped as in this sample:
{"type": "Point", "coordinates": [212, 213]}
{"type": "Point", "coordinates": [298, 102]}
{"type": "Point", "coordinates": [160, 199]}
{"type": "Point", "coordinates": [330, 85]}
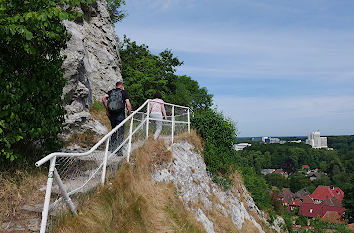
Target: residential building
{"type": "Point", "coordinates": [324, 192]}
{"type": "Point", "coordinates": [267, 171]}
{"type": "Point", "coordinates": [325, 202]}
{"type": "Point", "coordinates": [241, 146]}
{"type": "Point", "coordinates": [332, 216]}
{"type": "Point", "coordinates": [313, 175]}
{"type": "Point", "coordinates": [301, 193]}
{"type": "Point", "coordinates": [322, 203]}
{"type": "Point", "coordinates": [281, 172]}
{"type": "Point", "coordinates": [286, 197]}
{"type": "Point", "coordinates": [316, 141]}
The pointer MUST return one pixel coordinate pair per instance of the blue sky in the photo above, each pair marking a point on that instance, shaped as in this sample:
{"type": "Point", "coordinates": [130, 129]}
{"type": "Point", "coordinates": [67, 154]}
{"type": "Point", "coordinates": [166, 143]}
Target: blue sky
{"type": "Point", "coordinates": [275, 67]}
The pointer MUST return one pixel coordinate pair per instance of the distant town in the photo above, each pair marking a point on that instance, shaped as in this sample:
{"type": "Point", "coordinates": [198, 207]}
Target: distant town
{"type": "Point", "coordinates": [314, 139]}
{"type": "Point", "coordinates": [305, 176]}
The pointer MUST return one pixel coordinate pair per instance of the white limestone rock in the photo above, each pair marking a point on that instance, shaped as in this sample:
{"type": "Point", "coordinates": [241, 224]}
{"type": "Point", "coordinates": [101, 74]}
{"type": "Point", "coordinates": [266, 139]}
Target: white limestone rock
{"type": "Point", "coordinates": [193, 183]}
{"type": "Point", "coordinates": [92, 66]}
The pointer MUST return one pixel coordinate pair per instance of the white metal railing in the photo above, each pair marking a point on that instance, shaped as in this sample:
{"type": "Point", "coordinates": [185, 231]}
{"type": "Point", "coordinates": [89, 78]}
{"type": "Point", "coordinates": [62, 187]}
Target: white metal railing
{"type": "Point", "coordinates": [177, 115]}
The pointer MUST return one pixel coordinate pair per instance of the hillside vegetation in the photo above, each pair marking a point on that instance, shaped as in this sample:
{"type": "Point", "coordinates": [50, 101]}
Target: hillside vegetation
{"type": "Point", "coordinates": [133, 202]}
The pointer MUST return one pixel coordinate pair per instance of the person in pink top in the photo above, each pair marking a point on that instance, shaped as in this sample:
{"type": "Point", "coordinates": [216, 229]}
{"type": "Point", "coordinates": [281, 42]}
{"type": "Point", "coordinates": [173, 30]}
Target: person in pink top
{"type": "Point", "coordinates": [156, 109]}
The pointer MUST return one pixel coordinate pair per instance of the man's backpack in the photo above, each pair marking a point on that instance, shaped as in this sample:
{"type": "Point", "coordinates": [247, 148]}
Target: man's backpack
{"type": "Point", "coordinates": [115, 102]}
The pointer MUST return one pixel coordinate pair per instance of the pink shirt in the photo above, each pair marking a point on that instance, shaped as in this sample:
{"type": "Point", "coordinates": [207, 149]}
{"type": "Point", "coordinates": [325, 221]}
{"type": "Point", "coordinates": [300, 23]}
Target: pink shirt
{"type": "Point", "coordinates": [156, 107]}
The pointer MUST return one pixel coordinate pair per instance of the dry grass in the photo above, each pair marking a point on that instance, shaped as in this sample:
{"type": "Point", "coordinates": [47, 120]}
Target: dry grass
{"type": "Point", "coordinates": [18, 189]}
{"type": "Point", "coordinates": [133, 202]}
{"type": "Point", "coordinates": [239, 186]}
{"type": "Point", "coordinates": [192, 138]}
{"type": "Point", "coordinates": [85, 140]}
{"type": "Point", "coordinates": [98, 112]}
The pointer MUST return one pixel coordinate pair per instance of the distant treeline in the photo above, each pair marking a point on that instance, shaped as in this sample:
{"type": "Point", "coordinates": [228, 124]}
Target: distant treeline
{"type": "Point", "coordinates": [341, 142]}
{"type": "Point", "coordinates": [337, 164]}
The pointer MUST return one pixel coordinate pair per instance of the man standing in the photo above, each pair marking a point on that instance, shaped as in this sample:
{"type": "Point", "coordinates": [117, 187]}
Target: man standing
{"type": "Point", "coordinates": [115, 103]}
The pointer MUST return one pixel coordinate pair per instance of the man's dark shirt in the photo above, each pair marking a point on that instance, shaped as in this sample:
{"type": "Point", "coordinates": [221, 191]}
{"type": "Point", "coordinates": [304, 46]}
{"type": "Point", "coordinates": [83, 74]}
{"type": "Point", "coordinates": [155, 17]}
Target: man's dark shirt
{"type": "Point", "coordinates": [125, 96]}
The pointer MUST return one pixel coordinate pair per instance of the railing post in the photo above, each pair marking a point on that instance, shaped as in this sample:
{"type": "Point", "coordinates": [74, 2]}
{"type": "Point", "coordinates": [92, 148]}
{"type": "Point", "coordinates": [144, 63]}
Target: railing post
{"type": "Point", "coordinates": [47, 195]}
{"type": "Point", "coordinates": [147, 120]}
{"type": "Point", "coordinates": [189, 121]}
{"type": "Point", "coordinates": [64, 192]}
{"type": "Point", "coordinates": [173, 123]}
{"type": "Point", "coordinates": [130, 138]}
{"type": "Point", "coordinates": [104, 168]}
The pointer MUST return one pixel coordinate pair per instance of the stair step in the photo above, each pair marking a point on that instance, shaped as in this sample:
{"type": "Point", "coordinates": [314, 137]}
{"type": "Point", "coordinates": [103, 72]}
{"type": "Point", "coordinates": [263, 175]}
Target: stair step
{"type": "Point", "coordinates": [37, 208]}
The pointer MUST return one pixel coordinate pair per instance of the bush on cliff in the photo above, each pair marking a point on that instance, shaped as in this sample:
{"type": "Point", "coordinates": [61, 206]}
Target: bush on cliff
{"type": "Point", "coordinates": [220, 157]}
{"type": "Point", "coordinates": [219, 134]}
{"type": "Point", "coordinates": [31, 38]}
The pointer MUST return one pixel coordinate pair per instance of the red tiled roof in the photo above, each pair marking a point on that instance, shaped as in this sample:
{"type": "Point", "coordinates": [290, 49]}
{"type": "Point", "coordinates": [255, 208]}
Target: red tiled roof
{"type": "Point", "coordinates": [351, 226]}
{"type": "Point", "coordinates": [310, 210]}
{"type": "Point", "coordinates": [306, 199]}
{"type": "Point", "coordinates": [295, 202]}
{"type": "Point", "coordinates": [306, 166]}
{"type": "Point", "coordinates": [324, 192]}
{"type": "Point", "coordinates": [332, 202]}
{"type": "Point", "coordinates": [331, 216]}
{"type": "Point", "coordinates": [280, 171]}
{"type": "Point", "coordinates": [287, 196]}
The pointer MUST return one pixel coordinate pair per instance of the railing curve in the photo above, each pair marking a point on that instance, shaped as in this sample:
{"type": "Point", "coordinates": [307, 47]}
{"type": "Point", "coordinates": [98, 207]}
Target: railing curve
{"type": "Point", "coordinates": [172, 119]}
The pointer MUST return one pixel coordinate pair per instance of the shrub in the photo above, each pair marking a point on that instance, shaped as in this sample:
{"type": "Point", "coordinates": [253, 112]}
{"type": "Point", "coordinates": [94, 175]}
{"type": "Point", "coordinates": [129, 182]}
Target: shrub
{"type": "Point", "coordinates": [31, 38]}
{"type": "Point", "coordinates": [219, 134]}
{"type": "Point", "coordinates": [214, 128]}
{"type": "Point", "coordinates": [257, 186]}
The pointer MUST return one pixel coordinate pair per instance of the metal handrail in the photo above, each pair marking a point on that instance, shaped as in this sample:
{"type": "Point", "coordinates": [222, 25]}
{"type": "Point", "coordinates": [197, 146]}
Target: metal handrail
{"type": "Point", "coordinates": [66, 154]}
{"type": "Point", "coordinates": [52, 157]}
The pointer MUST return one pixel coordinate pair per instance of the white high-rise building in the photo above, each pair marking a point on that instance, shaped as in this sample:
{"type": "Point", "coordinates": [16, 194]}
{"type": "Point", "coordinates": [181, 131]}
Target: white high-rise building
{"type": "Point", "coordinates": [316, 141]}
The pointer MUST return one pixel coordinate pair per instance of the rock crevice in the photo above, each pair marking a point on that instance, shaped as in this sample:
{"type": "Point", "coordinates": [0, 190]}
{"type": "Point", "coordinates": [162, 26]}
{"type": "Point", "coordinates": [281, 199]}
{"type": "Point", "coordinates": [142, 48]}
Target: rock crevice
{"type": "Point", "coordinates": [92, 67]}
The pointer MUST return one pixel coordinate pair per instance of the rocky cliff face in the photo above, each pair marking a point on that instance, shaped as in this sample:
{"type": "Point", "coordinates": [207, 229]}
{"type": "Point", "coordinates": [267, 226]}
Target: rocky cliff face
{"type": "Point", "coordinates": [92, 67]}
{"type": "Point", "coordinates": [218, 210]}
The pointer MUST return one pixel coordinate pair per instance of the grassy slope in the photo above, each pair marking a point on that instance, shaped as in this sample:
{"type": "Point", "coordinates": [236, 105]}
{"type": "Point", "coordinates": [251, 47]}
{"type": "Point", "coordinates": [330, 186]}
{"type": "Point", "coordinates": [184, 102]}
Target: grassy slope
{"type": "Point", "coordinates": [133, 202]}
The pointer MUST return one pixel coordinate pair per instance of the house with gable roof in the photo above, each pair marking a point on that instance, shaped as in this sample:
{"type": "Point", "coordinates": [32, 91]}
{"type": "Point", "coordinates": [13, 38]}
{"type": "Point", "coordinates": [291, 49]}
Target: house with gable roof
{"type": "Point", "coordinates": [322, 202]}
{"type": "Point", "coordinates": [324, 192]}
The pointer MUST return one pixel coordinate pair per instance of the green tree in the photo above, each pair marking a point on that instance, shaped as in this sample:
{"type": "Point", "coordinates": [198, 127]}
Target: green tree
{"type": "Point", "coordinates": [288, 165]}
{"type": "Point", "coordinates": [257, 186]}
{"type": "Point", "coordinates": [301, 220]}
{"type": "Point", "coordinates": [115, 10]}
{"type": "Point", "coordinates": [31, 38]}
{"type": "Point", "coordinates": [277, 180]}
{"type": "Point", "coordinates": [145, 73]}
{"type": "Point", "coordinates": [298, 182]}
{"type": "Point", "coordinates": [348, 200]}
{"type": "Point", "coordinates": [187, 92]}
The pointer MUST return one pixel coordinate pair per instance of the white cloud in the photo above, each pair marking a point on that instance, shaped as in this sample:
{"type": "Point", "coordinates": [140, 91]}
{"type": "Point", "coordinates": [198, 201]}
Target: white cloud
{"type": "Point", "coordinates": [289, 116]}
{"type": "Point", "coordinates": [324, 54]}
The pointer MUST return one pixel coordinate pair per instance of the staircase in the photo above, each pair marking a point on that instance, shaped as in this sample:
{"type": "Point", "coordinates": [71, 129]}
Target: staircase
{"type": "Point", "coordinates": [76, 174]}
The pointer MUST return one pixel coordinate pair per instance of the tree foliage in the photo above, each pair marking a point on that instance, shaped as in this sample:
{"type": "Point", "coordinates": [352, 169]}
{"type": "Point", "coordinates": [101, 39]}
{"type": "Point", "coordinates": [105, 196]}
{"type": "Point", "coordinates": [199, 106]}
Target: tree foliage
{"type": "Point", "coordinates": [278, 180]}
{"type": "Point", "coordinates": [115, 10]}
{"type": "Point", "coordinates": [335, 165]}
{"type": "Point", "coordinates": [31, 38]}
{"type": "Point", "coordinates": [218, 133]}
{"type": "Point", "coordinates": [288, 166]}
{"type": "Point", "coordinates": [145, 73]}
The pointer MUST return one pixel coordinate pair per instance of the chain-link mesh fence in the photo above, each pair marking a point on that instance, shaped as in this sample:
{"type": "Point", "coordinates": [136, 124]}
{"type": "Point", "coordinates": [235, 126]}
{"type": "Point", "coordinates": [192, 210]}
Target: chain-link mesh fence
{"type": "Point", "coordinates": [81, 175]}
